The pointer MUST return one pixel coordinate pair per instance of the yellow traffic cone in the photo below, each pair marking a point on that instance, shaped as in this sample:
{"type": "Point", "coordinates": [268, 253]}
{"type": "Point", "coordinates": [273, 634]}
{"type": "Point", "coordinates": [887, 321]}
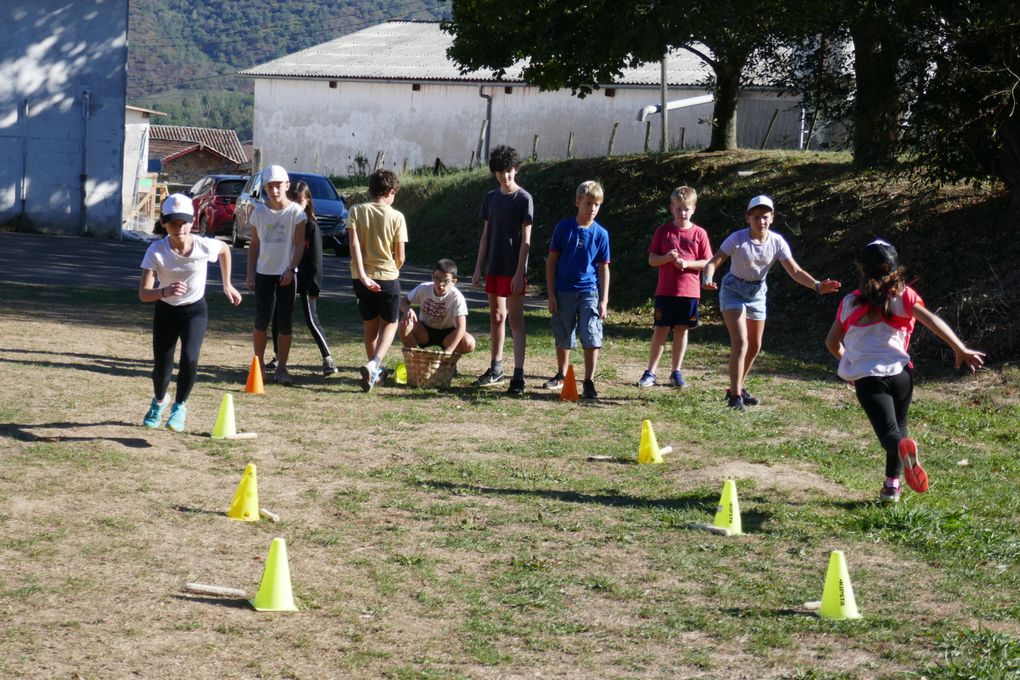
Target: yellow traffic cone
{"type": "Point", "coordinates": [727, 514]}
{"type": "Point", "coordinates": [569, 391]}
{"type": "Point", "coordinates": [648, 450]}
{"type": "Point", "coordinates": [838, 595]}
{"type": "Point", "coordinates": [245, 506]}
{"type": "Point", "coordinates": [274, 591]}
{"type": "Point", "coordinates": [225, 427]}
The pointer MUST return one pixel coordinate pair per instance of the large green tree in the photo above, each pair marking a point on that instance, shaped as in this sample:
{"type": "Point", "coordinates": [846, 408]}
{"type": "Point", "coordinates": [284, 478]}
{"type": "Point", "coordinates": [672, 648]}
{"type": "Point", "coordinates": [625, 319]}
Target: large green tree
{"type": "Point", "coordinates": [965, 121]}
{"type": "Point", "coordinates": [580, 44]}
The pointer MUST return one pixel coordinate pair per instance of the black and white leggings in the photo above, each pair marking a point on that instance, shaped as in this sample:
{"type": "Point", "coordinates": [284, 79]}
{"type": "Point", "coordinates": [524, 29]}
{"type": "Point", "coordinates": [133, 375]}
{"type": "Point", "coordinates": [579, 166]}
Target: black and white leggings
{"type": "Point", "coordinates": [311, 320]}
{"type": "Point", "coordinates": [885, 400]}
{"type": "Point", "coordinates": [186, 323]}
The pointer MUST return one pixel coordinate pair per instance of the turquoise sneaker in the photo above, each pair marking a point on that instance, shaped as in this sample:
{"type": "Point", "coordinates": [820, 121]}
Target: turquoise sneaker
{"type": "Point", "coordinates": [178, 412]}
{"type": "Point", "coordinates": [154, 417]}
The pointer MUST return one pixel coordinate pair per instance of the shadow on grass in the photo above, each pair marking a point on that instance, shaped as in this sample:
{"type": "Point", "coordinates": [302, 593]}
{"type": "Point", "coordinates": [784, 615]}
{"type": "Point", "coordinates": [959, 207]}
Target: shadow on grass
{"type": "Point", "coordinates": [230, 603]}
{"type": "Point", "coordinates": [117, 366]}
{"type": "Point", "coordinates": [766, 613]}
{"type": "Point", "coordinates": [22, 433]}
{"type": "Point", "coordinates": [198, 511]}
{"type": "Point", "coordinates": [694, 501]}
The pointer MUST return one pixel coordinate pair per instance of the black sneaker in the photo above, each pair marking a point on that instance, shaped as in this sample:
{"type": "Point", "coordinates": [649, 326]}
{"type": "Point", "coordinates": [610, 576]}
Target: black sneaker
{"type": "Point", "coordinates": [588, 392]}
{"type": "Point", "coordinates": [749, 399]}
{"type": "Point", "coordinates": [516, 388]}
{"type": "Point", "coordinates": [329, 367]}
{"type": "Point", "coordinates": [554, 383]}
{"type": "Point", "coordinates": [489, 378]}
{"type": "Point", "coordinates": [735, 402]}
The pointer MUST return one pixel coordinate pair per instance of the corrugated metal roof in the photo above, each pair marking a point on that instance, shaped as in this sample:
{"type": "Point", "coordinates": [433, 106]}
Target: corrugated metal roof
{"type": "Point", "coordinates": [224, 142]}
{"type": "Point", "coordinates": [416, 51]}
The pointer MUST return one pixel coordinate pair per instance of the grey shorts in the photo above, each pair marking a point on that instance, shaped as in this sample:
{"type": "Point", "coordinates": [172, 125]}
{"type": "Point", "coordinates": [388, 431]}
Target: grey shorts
{"type": "Point", "coordinates": [577, 311]}
{"type": "Point", "coordinates": [740, 294]}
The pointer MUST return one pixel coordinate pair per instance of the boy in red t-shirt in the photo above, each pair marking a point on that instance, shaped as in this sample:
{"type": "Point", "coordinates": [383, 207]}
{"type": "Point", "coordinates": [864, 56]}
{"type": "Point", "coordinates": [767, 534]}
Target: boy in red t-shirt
{"type": "Point", "coordinates": [679, 250]}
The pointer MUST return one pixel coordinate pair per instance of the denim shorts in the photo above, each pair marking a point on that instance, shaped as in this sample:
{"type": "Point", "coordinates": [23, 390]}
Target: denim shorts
{"type": "Point", "coordinates": [577, 310]}
{"type": "Point", "coordinates": [740, 294]}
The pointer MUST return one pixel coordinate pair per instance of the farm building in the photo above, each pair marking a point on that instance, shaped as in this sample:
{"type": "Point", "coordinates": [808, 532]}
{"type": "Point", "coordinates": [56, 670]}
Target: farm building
{"type": "Point", "coordinates": [63, 78]}
{"type": "Point", "coordinates": [390, 92]}
{"type": "Point", "coordinates": [183, 154]}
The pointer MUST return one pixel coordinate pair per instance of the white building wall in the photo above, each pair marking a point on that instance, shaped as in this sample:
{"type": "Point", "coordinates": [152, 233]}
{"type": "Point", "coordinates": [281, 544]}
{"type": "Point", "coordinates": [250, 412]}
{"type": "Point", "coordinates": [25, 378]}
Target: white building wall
{"type": "Point", "coordinates": [307, 125]}
{"type": "Point", "coordinates": [62, 88]}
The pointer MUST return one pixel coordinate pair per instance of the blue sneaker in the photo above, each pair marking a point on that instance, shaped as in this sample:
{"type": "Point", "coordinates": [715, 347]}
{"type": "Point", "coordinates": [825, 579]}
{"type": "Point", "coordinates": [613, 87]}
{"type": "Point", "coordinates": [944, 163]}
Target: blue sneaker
{"type": "Point", "coordinates": [647, 379]}
{"type": "Point", "coordinates": [178, 412]}
{"type": "Point", "coordinates": [676, 379]}
{"type": "Point", "coordinates": [154, 416]}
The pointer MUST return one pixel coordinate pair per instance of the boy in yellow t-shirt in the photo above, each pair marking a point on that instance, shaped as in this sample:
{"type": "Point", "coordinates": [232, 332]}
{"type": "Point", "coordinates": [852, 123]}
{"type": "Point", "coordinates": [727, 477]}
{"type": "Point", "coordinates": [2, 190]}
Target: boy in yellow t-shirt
{"type": "Point", "coordinates": [377, 233]}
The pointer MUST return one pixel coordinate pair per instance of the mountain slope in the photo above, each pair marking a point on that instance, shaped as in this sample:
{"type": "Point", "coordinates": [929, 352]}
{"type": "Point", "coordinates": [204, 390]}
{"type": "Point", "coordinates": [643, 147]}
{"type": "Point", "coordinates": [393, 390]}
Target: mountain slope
{"type": "Point", "coordinates": [183, 57]}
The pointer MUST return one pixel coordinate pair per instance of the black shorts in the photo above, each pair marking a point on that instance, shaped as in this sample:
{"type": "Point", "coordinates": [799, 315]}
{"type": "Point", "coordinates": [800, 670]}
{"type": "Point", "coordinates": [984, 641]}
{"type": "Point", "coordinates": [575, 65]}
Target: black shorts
{"type": "Point", "coordinates": [385, 304]}
{"type": "Point", "coordinates": [437, 336]}
{"type": "Point", "coordinates": [269, 296]}
{"type": "Point", "coordinates": [676, 311]}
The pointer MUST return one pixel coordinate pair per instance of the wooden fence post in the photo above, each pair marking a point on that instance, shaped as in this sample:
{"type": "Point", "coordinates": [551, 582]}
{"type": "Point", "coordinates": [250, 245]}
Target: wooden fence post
{"type": "Point", "coordinates": [612, 138]}
{"type": "Point", "coordinates": [570, 145]}
{"type": "Point", "coordinates": [811, 130]}
{"type": "Point", "coordinates": [481, 140]}
{"type": "Point", "coordinates": [534, 148]}
{"type": "Point", "coordinates": [380, 158]}
{"type": "Point", "coordinates": [768, 132]}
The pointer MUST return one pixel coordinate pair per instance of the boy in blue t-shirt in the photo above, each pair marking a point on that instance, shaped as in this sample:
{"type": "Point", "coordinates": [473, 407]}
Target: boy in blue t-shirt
{"type": "Point", "coordinates": [577, 278]}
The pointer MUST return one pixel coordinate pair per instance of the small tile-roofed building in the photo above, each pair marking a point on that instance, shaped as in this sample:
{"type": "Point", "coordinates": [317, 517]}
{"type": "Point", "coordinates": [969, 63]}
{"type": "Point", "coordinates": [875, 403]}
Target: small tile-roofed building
{"type": "Point", "coordinates": [184, 154]}
{"type": "Point", "coordinates": [391, 90]}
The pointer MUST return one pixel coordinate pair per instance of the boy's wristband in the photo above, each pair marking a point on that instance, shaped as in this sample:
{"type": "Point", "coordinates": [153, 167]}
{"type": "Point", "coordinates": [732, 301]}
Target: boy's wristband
{"type": "Point", "coordinates": [818, 286]}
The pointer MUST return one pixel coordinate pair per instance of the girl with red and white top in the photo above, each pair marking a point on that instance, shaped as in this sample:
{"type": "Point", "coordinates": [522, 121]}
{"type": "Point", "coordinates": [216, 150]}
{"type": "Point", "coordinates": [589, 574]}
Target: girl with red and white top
{"type": "Point", "coordinates": [870, 337]}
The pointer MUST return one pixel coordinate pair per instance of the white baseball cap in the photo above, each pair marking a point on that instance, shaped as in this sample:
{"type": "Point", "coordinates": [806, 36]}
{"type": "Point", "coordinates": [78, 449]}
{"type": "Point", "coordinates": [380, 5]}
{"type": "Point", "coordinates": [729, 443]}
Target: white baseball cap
{"type": "Point", "coordinates": [177, 207]}
{"type": "Point", "coordinates": [275, 173]}
{"type": "Point", "coordinates": [759, 201]}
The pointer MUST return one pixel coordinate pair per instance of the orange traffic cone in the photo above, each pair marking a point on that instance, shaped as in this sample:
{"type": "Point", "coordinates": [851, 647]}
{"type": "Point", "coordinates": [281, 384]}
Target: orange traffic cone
{"type": "Point", "coordinates": [254, 384]}
{"type": "Point", "coordinates": [569, 391]}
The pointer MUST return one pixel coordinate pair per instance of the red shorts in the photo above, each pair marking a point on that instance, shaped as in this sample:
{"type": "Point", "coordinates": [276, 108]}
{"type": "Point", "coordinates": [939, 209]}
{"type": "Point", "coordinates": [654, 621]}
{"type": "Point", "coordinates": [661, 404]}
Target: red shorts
{"type": "Point", "coordinates": [500, 286]}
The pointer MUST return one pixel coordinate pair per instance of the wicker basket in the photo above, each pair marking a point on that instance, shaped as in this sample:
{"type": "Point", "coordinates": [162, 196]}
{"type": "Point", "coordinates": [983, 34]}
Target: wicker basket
{"type": "Point", "coordinates": [429, 368]}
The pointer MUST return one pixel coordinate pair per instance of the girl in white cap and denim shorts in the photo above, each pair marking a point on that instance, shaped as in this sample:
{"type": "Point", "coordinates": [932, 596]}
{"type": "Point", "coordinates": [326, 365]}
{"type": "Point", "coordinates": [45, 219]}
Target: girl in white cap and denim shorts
{"type": "Point", "coordinates": [742, 297]}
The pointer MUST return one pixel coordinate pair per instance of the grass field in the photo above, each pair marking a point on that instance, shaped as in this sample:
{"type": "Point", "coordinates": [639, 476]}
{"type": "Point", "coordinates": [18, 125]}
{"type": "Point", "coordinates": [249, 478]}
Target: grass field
{"type": "Point", "coordinates": [461, 533]}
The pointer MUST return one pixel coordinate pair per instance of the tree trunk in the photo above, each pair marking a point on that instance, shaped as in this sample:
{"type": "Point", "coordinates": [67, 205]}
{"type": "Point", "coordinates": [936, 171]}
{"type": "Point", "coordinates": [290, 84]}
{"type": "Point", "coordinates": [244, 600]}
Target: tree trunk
{"type": "Point", "coordinates": [724, 113]}
{"type": "Point", "coordinates": [877, 105]}
{"type": "Point", "coordinates": [1008, 132]}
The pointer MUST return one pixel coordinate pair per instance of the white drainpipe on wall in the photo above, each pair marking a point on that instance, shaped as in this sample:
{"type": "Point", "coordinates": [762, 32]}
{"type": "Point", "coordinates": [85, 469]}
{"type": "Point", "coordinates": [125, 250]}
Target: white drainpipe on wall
{"type": "Point", "coordinates": [673, 105]}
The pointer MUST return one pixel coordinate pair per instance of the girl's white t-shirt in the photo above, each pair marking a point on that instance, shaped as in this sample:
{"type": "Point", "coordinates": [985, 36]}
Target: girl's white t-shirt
{"type": "Point", "coordinates": [171, 267]}
{"type": "Point", "coordinates": [750, 260]}
{"type": "Point", "coordinates": [876, 348]}
{"type": "Point", "coordinates": [276, 236]}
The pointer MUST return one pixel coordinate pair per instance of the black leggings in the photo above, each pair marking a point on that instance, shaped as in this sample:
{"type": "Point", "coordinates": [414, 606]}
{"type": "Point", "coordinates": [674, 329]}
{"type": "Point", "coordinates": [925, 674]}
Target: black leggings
{"type": "Point", "coordinates": [311, 320]}
{"type": "Point", "coordinates": [885, 400]}
{"type": "Point", "coordinates": [186, 323]}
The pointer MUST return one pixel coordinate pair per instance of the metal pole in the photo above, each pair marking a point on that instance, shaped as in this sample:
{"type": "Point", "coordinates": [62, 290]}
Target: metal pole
{"type": "Point", "coordinates": [664, 142]}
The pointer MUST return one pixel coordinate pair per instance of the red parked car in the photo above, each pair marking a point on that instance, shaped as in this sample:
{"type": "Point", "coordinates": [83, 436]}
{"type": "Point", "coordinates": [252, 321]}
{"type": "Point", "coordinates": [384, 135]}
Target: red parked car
{"type": "Point", "coordinates": [214, 197]}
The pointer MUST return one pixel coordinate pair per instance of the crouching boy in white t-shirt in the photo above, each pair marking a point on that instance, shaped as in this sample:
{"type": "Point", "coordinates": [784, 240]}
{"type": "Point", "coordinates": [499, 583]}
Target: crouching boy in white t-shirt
{"type": "Point", "coordinates": [443, 317]}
